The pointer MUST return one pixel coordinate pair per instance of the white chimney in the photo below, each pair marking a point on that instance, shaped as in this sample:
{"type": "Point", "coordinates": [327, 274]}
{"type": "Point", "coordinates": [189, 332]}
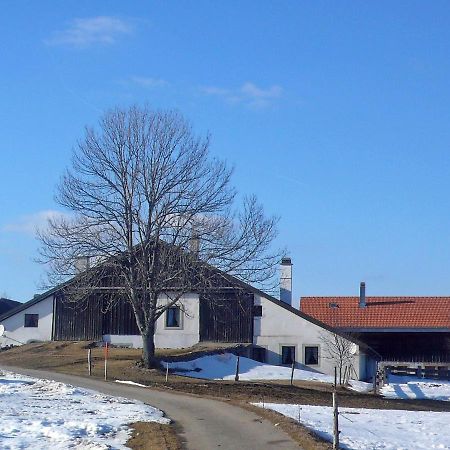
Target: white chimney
{"type": "Point", "coordinates": [286, 281]}
{"type": "Point", "coordinates": [194, 245]}
{"type": "Point", "coordinates": [82, 263]}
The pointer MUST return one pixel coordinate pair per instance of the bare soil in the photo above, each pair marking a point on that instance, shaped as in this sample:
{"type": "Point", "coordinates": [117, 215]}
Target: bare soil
{"type": "Point", "coordinates": [123, 364]}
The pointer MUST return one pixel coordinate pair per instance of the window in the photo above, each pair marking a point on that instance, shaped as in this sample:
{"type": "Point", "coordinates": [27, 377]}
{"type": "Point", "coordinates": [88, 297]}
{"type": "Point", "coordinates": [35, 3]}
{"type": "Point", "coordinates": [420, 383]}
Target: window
{"type": "Point", "coordinates": [259, 354]}
{"type": "Point", "coordinates": [287, 354]}
{"type": "Point", "coordinates": [173, 317]}
{"type": "Point", "coordinates": [257, 310]}
{"type": "Point", "coordinates": [312, 356]}
{"type": "Point", "coordinates": [31, 320]}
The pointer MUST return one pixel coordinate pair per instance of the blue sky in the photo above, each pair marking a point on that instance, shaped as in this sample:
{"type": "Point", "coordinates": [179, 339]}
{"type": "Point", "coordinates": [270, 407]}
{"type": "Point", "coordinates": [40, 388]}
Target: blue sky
{"type": "Point", "coordinates": [336, 114]}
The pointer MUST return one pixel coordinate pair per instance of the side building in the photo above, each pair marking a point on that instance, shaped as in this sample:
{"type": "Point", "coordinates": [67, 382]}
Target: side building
{"type": "Point", "coordinates": [405, 328]}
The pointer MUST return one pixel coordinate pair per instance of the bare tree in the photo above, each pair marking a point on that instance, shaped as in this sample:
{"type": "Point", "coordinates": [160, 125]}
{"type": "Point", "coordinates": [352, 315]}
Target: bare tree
{"type": "Point", "coordinates": [341, 351]}
{"type": "Point", "coordinates": [157, 217]}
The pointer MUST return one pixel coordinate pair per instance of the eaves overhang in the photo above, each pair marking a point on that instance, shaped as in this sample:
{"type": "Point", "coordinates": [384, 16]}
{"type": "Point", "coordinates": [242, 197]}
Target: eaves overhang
{"type": "Point", "coordinates": [395, 330]}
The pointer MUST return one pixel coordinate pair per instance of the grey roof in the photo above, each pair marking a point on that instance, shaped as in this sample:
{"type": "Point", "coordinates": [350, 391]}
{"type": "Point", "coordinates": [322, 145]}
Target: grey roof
{"type": "Point", "coordinates": [36, 299]}
{"type": "Point", "coordinates": [6, 304]}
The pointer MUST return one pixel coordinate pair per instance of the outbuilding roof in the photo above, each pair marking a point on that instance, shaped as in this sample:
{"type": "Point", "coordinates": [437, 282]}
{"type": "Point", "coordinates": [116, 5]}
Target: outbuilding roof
{"type": "Point", "coordinates": [6, 305]}
{"type": "Point", "coordinates": [36, 299]}
{"type": "Point", "coordinates": [418, 313]}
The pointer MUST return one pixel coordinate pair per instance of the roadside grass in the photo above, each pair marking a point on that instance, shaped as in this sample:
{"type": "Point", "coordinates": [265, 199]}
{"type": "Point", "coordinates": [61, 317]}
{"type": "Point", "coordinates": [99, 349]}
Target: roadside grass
{"type": "Point", "coordinates": [123, 364]}
{"type": "Point", "coordinates": [151, 436]}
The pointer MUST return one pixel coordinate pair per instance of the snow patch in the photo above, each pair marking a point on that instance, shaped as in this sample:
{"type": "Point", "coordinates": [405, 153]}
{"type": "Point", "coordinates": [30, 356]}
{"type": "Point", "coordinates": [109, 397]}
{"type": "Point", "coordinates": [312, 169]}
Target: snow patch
{"type": "Point", "coordinates": [130, 382]}
{"type": "Point", "coordinates": [416, 388]}
{"type": "Point", "coordinates": [47, 414]}
{"type": "Point", "coordinates": [373, 429]}
{"type": "Point", "coordinates": [223, 367]}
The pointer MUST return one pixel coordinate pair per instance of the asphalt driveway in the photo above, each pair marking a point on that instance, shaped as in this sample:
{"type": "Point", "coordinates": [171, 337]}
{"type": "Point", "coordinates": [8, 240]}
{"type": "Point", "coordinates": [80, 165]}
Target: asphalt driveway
{"type": "Point", "coordinates": [203, 424]}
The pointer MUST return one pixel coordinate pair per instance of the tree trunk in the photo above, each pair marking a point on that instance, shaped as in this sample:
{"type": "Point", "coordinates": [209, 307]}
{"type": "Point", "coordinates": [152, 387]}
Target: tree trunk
{"type": "Point", "coordinates": [148, 351]}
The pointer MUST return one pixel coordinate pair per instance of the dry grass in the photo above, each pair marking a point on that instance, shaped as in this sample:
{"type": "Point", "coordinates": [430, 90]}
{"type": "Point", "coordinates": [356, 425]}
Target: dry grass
{"type": "Point", "coordinates": [71, 357]}
{"type": "Point", "coordinates": [152, 436]}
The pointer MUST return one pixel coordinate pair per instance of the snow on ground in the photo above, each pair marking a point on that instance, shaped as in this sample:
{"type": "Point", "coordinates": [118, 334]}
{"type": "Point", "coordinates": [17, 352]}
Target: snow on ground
{"type": "Point", "coordinates": [416, 388]}
{"type": "Point", "coordinates": [223, 367]}
{"type": "Point", "coordinates": [374, 429]}
{"type": "Point", "coordinates": [43, 414]}
{"type": "Point", "coordinates": [130, 382]}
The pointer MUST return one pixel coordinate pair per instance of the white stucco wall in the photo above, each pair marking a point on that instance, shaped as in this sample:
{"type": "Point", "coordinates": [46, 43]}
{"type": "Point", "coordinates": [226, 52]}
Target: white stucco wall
{"type": "Point", "coordinates": [14, 325]}
{"type": "Point", "coordinates": [185, 336]}
{"type": "Point", "coordinates": [278, 327]}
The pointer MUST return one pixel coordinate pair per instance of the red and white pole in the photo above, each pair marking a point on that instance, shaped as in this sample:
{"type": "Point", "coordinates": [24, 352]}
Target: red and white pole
{"type": "Point", "coordinates": [106, 361]}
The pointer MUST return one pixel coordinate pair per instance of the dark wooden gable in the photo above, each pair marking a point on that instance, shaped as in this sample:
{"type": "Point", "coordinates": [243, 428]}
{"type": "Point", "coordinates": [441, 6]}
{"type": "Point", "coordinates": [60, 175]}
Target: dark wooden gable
{"type": "Point", "coordinates": [226, 317]}
{"type": "Point", "coordinates": [73, 322]}
{"type": "Point", "coordinates": [120, 319]}
{"type": "Point", "coordinates": [91, 319]}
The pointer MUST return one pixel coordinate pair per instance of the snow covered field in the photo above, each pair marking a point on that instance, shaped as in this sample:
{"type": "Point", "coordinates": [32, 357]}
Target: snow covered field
{"type": "Point", "coordinates": [223, 367]}
{"type": "Point", "coordinates": [416, 388]}
{"type": "Point", "coordinates": [42, 414]}
{"type": "Point", "coordinates": [374, 429]}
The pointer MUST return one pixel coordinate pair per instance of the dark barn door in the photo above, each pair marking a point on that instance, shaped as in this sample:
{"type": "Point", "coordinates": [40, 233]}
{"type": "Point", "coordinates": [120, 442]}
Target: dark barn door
{"type": "Point", "coordinates": [120, 319]}
{"type": "Point", "coordinates": [78, 322]}
{"type": "Point", "coordinates": [226, 318]}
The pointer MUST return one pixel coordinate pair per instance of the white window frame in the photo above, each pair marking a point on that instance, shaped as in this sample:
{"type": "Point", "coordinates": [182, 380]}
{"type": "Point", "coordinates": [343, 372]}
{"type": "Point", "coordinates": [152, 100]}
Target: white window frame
{"type": "Point", "coordinates": [180, 327]}
{"type": "Point", "coordinates": [304, 354]}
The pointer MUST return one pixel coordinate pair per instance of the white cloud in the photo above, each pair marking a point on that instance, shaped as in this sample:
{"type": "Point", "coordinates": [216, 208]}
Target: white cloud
{"type": "Point", "coordinates": [28, 224]}
{"type": "Point", "coordinates": [90, 31]}
{"type": "Point", "coordinates": [254, 91]}
{"type": "Point", "coordinates": [211, 90]}
{"type": "Point", "coordinates": [148, 82]}
{"type": "Point", "coordinates": [248, 94]}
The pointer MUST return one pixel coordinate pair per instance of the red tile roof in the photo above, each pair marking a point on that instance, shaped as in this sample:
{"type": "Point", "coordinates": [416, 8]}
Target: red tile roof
{"type": "Point", "coordinates": [380, 312]}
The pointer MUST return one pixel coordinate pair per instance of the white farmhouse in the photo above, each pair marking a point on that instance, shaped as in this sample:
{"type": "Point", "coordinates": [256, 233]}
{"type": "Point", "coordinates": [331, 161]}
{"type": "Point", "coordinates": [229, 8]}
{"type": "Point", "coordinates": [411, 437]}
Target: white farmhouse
{"type": "Point", "coordinates": [275, 331]}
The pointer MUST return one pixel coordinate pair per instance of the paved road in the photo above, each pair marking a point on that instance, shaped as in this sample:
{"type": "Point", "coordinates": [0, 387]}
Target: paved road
{"type": "Point", "coordinates": [203, 424]}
